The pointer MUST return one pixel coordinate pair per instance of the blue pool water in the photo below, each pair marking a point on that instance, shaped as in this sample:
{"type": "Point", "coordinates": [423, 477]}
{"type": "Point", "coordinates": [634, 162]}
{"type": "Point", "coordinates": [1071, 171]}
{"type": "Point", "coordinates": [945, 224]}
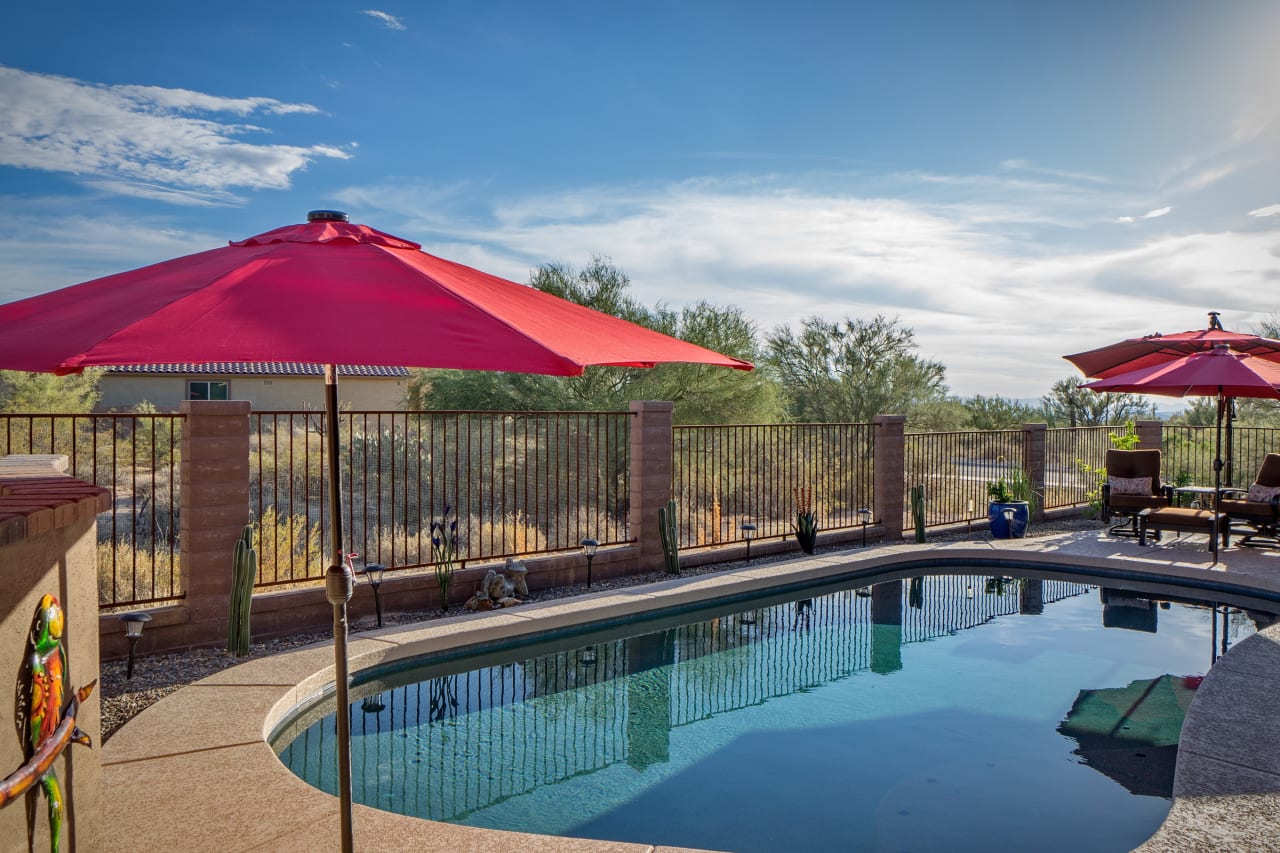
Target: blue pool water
{"type": "Point", "coordinates": [941, 713]}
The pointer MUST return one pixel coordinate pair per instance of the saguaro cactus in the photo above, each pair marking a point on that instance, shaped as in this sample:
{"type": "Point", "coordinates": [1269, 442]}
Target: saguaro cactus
{"type": "Point", "coordinates": [670, 534]}
{"type": "Point", "coordinates": [245, 568]}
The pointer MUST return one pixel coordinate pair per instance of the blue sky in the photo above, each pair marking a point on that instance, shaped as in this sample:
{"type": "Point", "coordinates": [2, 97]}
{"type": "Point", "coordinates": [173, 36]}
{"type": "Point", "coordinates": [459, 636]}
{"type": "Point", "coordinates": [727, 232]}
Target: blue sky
{"type": "Point", "coordinates": [1014, 180]}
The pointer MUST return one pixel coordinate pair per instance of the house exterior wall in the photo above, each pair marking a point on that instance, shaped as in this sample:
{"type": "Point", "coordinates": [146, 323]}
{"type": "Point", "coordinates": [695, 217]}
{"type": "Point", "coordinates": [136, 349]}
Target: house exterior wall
{"type": "Point", "coordinates": [122, 392]}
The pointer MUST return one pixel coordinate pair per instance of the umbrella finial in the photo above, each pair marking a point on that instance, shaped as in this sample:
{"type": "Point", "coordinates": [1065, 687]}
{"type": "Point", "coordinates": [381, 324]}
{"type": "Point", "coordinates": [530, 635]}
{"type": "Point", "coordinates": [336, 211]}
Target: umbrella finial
{"type": "Point", "coordinates": [327, 216]}
{"type": "Point", "coordinates": [1214, 322]}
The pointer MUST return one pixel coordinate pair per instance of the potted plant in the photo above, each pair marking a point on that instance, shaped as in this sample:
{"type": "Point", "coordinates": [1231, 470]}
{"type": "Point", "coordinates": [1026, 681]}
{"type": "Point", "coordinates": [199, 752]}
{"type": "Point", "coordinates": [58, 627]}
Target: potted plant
{"type": "Point", "coordinates": [1009, 505]}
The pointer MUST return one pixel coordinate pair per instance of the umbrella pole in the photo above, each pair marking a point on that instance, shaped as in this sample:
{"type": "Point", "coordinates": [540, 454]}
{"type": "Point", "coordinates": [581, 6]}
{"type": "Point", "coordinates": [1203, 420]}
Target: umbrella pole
{"type": "Point", "coordinates": [338, 588]}
{"type": "Point", "coordinates": [1217, 476]}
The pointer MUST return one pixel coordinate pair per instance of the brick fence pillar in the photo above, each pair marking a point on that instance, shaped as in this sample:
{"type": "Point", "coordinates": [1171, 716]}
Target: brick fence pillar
{"type": "Point", "coordinates": [1033, 463]}
{"type": "Point", "coordinates": [890, 472]}
{"type": "Point", "coordinates": [215, 509]}
{"type": "Point", "coordinates": [1150, 434]}
{"type": "Point", "coordinates": [652, 471]}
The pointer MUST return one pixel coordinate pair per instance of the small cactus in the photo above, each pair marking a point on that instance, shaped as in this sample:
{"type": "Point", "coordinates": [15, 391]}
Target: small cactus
{"type": "Point", "coordinates": [670, 535]}
{"type": "Point", "coordinates": [245, 572]}
{"type": "Point", "coordinates": [917, 510]}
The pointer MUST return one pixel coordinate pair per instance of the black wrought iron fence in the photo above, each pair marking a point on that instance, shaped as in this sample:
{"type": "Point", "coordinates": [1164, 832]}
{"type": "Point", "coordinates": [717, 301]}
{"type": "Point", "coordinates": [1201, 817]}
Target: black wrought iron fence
{"type": "Point", "coordinates": [954, 468]}
{"type": "Point", "coordinates": [136, 457]}
{"type": "Point", "coordinates": [1189, 454]}
{"type": "Point", "coordinates": [518, 483]}
{"type": "Point", "coordinates": [1067, 451]}
{"type": "Point", "coordinates": [727, 476]}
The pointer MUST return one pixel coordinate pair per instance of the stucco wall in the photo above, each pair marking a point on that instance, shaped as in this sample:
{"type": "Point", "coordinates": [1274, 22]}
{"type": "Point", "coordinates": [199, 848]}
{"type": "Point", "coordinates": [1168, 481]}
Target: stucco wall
{"type": "Point", "coordinates": [264, 393]}
{"type": "Point", "coordinates": [52, 551]}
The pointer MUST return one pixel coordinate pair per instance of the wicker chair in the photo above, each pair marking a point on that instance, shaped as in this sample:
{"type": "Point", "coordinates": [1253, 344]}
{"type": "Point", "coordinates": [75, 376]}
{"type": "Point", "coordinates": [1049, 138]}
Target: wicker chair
{"type": "Point", "coordinates": [1130, 465]}
{"type": "Point", "coordinates": [1254, 519]}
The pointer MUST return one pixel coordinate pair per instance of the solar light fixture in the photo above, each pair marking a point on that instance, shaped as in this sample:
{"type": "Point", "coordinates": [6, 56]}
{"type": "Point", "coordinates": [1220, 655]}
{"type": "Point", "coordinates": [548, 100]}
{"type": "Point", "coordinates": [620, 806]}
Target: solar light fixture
{"type": "Point", "coordinates": [589, 547]}
{"type": "Point", "coordinates": [864, 518]}
{"type": "Point", "coordinates": [748, 533]}
{"type": "Point", "coordinates": [373, 574]}
{"type": "Point", "coordinates": [133, 624]}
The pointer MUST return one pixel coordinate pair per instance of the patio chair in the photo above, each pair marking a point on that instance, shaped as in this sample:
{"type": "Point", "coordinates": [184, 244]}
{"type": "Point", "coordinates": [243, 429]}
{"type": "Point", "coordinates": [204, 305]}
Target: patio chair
{"type": "Point", "coordinates": [1255, 511]}
{"type": "Point", "coordinates": [1133, 484]}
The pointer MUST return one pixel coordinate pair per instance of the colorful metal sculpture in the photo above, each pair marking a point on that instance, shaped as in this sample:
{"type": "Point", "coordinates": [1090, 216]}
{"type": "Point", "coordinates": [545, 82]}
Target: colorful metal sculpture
{"type": "Point", "coordinates": [50, 725]}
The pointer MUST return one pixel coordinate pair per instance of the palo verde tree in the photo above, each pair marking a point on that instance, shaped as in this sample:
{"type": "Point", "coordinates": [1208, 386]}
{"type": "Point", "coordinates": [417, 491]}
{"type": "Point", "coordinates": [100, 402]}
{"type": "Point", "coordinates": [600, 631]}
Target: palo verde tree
{"type": "Point", "coordinates": [999, 413]}
{"type": "Point", "coordinates": [852, 370]}
{"type": "Point", "coordinates": [701, 393]}
{"type": "Point", "coordinates": [1068, 405]}
{"type": "Point", "coordinates": [46, 393]}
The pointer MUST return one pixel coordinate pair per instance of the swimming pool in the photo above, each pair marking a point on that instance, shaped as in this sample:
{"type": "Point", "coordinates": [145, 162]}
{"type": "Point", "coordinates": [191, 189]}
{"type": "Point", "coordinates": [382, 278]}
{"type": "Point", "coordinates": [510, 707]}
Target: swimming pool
{"type": "Point", "coordinates": [944, 712]}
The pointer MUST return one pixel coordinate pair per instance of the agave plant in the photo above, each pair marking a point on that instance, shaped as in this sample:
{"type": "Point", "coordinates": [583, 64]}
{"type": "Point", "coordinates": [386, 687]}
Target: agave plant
{"type": "Point", "coordinates": [806, 525]}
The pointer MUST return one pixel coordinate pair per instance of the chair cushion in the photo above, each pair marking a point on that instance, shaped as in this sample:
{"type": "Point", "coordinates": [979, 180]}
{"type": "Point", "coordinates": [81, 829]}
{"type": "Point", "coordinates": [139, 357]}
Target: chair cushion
{"type": "Point", "coordinates": [1130, 485]}
{"type": "Point", "coordinates": [1126, 503]}
{"type": "Point", "coordinates": [1246, 509]}
{"type": "Point", "coordinates": [1262, 494]}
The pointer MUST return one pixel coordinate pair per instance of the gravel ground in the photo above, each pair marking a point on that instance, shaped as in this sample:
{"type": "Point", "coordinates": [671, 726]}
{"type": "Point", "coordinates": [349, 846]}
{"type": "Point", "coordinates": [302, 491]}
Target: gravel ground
{"type": "Point", "coordinates": [157, 676]}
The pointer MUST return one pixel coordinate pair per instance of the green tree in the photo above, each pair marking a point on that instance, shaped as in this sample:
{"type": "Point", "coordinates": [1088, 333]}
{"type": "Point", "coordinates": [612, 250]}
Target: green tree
{"type": "Point", "coordinates": [853, 370]}
{"type": "Point", "coordinates": [1067, 404]}
{"type": "Point", "coordinates": [1000, 413]}
{"type": "Point", "coordinates": [45, 393]}
{"type": "Point", "coordinates": [701, 393]}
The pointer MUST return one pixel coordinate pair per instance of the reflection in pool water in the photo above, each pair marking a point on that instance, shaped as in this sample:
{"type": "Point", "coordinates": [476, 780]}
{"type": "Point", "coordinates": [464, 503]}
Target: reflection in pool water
{"type": "Point", "coordinates": [936, 713]}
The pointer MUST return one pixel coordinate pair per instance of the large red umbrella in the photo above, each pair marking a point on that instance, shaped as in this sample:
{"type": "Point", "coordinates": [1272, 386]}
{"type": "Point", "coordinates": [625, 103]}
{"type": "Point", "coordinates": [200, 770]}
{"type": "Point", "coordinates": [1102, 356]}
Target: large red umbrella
{"type": "Point", "coordinates": [327, 292]}
{"type": "Point", "coordinates": [1151, 350]}
{"type": "Point", "coordinates": [1220, 372]}
{"type": "Point", "coordinates": [1156, 349]}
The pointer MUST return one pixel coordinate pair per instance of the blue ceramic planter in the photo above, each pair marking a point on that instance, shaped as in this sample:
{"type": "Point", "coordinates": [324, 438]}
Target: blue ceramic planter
{"type": "Point", "coordinates": [1002, 529]}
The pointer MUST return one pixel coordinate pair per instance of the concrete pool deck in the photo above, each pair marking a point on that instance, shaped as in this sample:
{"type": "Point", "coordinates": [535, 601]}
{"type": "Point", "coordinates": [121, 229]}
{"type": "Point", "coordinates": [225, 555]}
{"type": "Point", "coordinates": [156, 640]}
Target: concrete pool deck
{"type": "Point", "coordinates": [194, 771]}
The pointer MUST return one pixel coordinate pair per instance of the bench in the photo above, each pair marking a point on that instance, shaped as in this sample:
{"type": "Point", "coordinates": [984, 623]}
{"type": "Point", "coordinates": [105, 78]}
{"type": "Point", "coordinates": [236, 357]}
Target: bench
{"type": "Point", "coordinates": [1183, 520]}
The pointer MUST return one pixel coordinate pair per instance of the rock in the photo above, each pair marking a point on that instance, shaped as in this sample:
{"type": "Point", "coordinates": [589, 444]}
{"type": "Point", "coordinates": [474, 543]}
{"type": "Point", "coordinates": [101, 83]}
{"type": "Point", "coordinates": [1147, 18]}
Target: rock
{"type": "Point", "coordinates": [509, 601]}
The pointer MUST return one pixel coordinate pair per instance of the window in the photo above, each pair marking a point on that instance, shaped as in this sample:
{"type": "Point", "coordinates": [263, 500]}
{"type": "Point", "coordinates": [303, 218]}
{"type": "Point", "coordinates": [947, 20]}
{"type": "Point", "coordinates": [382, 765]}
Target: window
{"type": "Point", "coordinates": [207, 391]}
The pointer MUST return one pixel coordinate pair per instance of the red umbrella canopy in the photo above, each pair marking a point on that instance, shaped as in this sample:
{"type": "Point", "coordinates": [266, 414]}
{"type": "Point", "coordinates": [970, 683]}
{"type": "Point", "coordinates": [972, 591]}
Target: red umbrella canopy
{"type": "Point", "coordinates": [1220, 372]}
{"type": "Point", "coordinates": [1137, 353]}
{"type": "Point", "coordinates": [327, 292]}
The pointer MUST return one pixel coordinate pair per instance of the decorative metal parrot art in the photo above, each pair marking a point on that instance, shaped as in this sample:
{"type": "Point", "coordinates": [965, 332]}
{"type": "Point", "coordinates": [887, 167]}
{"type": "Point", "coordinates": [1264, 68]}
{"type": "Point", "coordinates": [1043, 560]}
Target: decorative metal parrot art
{"type": "Point", "coordinates": [49, 724]}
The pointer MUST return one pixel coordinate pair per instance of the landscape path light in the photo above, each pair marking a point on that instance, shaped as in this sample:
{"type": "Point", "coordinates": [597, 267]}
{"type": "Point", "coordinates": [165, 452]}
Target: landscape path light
{"type": "Point", "coordinates": [374, 575]}
{"type": "Point", "coordinates": [133, 624]}
{"type": "Point", "coordinates": [864, 518]}
{"type": "Point", "coordinates": [748, 533]}
{"type": "Point", "coordinates": [589, 547]}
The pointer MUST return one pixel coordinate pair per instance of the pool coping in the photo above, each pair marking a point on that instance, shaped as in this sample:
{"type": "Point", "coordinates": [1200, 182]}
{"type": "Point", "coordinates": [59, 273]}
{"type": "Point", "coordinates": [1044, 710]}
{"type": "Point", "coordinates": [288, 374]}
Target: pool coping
{"type": "Point", "coordinates": [197, 765]}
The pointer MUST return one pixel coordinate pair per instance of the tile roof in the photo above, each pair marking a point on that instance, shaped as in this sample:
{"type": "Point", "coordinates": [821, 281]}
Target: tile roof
{"type": "Point", "coordinates": [261, 368]}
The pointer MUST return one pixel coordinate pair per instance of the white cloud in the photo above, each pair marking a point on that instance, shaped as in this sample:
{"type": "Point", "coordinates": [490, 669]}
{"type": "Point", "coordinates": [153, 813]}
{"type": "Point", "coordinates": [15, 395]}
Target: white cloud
{"type": "Point", "coordinates": [975, 297]}
{"type": "Point", "coordinates": [390, 21]}
{"type": "Point", "coordinates": [1269, 210]}
{"type": "Point", "coordinates": [145, 140]}
{"type": "Point", "coordinates": [1150, 214]}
